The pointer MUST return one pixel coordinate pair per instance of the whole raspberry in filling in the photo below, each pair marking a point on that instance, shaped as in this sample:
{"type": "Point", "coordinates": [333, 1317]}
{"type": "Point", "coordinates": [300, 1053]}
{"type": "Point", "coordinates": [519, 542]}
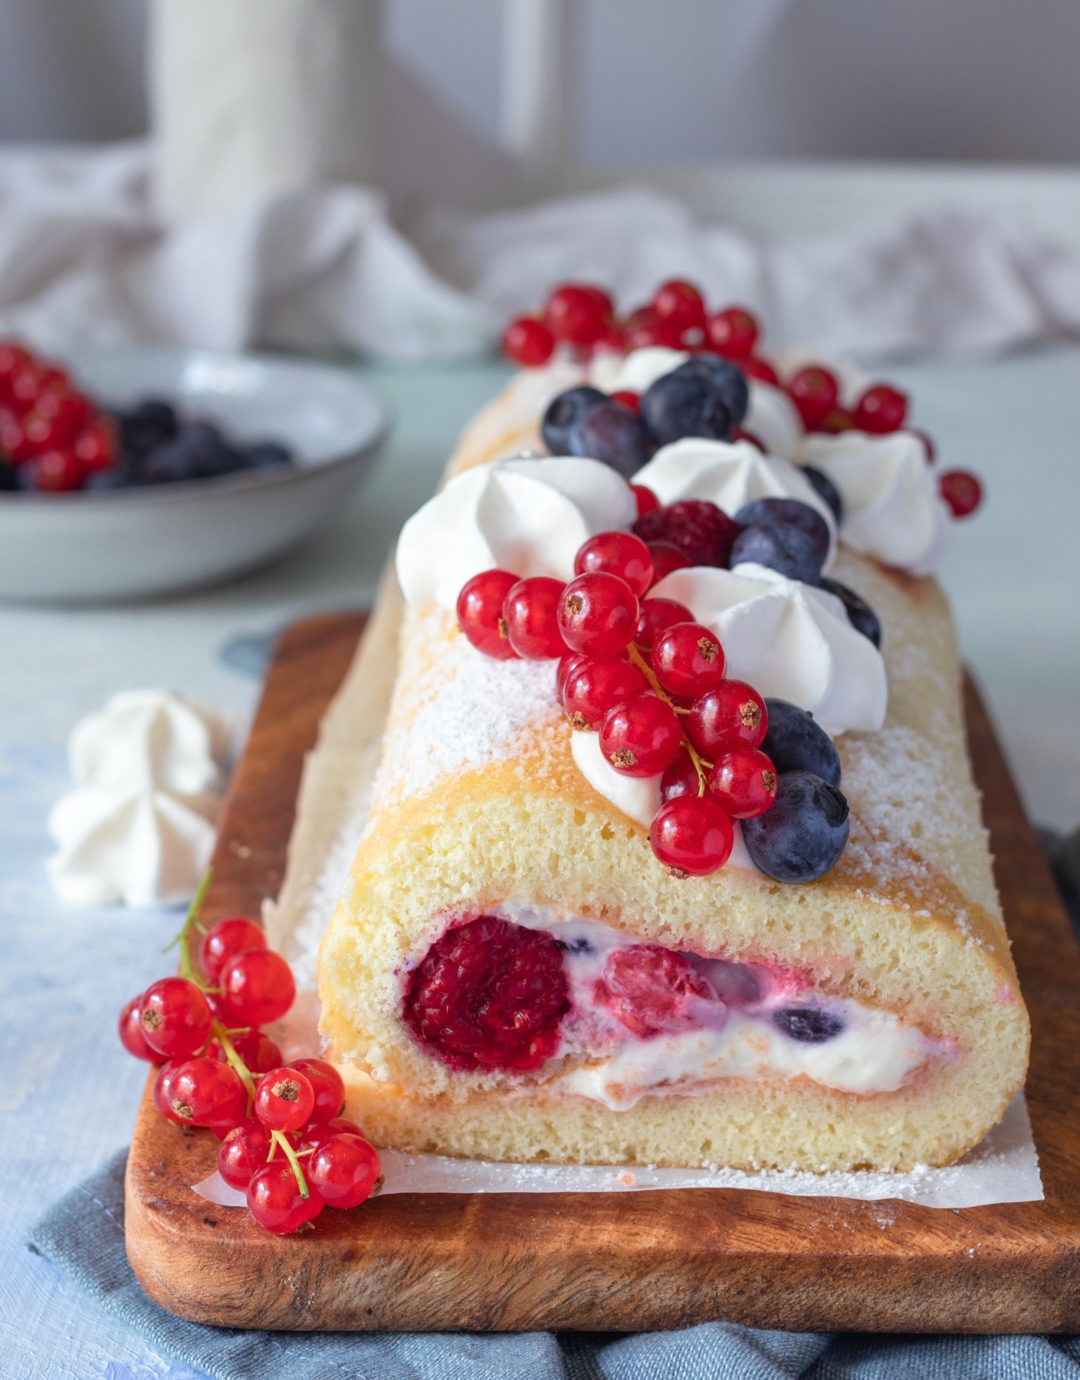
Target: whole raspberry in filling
{"type": "Point", "coordinates": [652, 989]}
{"type": "Point", "coordinates": [489, 995]}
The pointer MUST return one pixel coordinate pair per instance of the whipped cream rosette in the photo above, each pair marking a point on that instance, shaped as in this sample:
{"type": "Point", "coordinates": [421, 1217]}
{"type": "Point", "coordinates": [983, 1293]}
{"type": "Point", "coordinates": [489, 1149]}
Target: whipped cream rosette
{"type": "Point", "coordinates": [892, 508]}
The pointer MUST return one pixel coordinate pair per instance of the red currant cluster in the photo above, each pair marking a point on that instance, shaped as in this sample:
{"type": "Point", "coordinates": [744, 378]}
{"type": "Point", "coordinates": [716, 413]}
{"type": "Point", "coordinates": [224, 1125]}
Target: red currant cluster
{"type": "Point", "coordinates": [580, 317]}
{"type": "Point", "coordinates": [48, 429]}
{"type": "Point", "coordinates": [648, 678]}
{"type": "Point", "coordinates": [283, 1139]}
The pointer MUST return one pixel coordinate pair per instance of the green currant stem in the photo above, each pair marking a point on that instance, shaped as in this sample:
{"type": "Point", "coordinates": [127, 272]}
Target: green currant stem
{"type": "Point", "coordinates": [191, 922]}
{"type": "Point", "coordinates": [234, 1060]}
{"type": "Point", "coordinates": [650, 675]}
{"type": "Point", "coordinates": [279, 1138]}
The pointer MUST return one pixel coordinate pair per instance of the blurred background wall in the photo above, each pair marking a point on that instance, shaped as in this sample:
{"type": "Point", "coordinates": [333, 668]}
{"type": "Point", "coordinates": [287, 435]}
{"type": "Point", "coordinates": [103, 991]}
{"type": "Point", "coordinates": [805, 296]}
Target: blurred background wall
{"type": "Point", "coordinates": [650, 81]}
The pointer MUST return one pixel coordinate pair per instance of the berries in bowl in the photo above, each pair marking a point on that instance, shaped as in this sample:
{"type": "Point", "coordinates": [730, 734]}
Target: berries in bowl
{"type": "Point", "coordinates": [210, 464]}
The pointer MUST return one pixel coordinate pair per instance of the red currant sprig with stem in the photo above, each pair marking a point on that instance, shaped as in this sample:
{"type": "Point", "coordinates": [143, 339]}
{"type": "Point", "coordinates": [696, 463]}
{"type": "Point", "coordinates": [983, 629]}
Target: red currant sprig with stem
{"type": "Point", "coordinates": [226, 944]}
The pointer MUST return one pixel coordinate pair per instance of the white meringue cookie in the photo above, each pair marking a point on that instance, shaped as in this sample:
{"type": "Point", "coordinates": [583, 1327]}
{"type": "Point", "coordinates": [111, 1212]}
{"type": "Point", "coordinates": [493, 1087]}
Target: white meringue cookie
{"type": "Point", "coordinates": [137, 845]}
{"type": "Point", "coordinates": [729, 474]}
{"type": "Point", "coordinates": [789, 640]}
{"type": "Point", "coordinates": [892, 508]}
{"type": "Point", "coordinates": [526, 515]}
{"type": "Point", "coordinates": [150, 738]}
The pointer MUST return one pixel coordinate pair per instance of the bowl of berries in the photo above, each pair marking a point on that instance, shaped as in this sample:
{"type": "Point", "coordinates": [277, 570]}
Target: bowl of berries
{"type": "Point", "coordinates": [130, 472]}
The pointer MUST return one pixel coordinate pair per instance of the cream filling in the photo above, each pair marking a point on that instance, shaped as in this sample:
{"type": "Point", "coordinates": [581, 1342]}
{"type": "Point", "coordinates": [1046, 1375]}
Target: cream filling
{"type": "Point", "coordinates": [731, 1034]}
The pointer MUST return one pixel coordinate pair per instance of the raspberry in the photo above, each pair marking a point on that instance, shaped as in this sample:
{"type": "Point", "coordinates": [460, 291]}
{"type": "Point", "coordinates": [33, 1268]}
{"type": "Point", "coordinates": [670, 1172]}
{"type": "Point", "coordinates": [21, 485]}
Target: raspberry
{"type": "Point", "coordinates": [489, 995]}
{"type": "Point", "coordinates": [703, 532]}
{"type": "Point", "coordinates": [651, 989]}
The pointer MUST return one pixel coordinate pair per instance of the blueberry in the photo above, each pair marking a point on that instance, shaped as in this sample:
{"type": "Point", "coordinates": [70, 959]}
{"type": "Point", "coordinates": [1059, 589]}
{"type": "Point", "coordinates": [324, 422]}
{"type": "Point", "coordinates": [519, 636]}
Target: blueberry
{"type": "Point", "coordinates": [103, 480]}
{"type": "Point", "coordinates": [564, 412]}
{"type": "Point", "coordinates": [149, 424]}
{"type": "Point", "coordinates": [826, 490]}
{"type": "Point", "coordinates": [8, 479]}
{"type": "Point", "coordinates": [803, 833]}
{"type": "Point", "coordinates": [786, 549]}
{"type": "Point", "coordinates": [612, 434]}
{"type": "Point", "coordinates": [795, 742]}
{"type": "Point", "coordinates": [861, 616]}
{"type": "Point", "coordinates": [808, 1023]}
{"type": "Point", "coordinates": [696, 399]}
{"type": "Point", "coordinates": [787, 512]}
{"type": "Point", "coordinates": [729, 378]}
{"type": "Point", "coordinates": [267, 455]}
{"type": "Point", "coordinates": [580, 945]}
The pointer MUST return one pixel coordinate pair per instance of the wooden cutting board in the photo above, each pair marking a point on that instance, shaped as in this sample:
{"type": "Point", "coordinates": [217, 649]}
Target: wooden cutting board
{"type": "Point", "coordinates": [616, 1262]}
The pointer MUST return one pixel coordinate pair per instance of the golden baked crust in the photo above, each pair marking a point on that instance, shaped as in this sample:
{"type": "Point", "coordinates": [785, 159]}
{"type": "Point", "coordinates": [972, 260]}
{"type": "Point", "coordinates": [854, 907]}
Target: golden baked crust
{"type": "Point", "coordinates": [908, 921]}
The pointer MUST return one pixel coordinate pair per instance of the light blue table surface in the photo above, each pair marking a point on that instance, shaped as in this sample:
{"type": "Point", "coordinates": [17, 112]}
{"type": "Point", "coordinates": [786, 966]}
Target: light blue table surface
{"type": "Point", "coordinates": [68, 1090]}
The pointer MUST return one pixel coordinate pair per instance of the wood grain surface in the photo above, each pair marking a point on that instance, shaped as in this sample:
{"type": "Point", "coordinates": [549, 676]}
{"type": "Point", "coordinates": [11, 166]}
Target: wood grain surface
{"type": "Point", "coordinates": [617, 1262]}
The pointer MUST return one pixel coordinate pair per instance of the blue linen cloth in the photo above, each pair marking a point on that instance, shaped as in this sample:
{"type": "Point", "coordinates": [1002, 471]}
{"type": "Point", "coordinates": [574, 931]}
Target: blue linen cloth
{"type": "Point", "coordinates": [84, 1234]}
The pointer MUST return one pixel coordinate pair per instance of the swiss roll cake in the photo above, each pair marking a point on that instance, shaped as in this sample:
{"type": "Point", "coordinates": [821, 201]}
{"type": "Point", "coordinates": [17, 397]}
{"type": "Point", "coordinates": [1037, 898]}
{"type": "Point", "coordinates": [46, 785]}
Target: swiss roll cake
{"type": "Point", "coordinates": [674, 858]}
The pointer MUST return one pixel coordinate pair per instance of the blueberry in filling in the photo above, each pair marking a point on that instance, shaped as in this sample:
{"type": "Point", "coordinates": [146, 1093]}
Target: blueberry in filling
{"type": "Point", "coordinates": [809, 1024]}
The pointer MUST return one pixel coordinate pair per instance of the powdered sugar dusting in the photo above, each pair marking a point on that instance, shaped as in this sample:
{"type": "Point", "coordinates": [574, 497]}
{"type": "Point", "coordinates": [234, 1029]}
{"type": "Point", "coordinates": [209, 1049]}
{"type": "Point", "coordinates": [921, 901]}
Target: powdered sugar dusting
{"type": "Point", "coordinates": [469, 709]}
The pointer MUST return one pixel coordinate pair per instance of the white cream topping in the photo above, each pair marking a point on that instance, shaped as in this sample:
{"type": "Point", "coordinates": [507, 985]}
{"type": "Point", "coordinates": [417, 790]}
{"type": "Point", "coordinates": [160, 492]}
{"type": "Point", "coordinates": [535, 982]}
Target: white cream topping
{"type": "Point", "coordinates": [728, 1034]}
{"type": "Point", "coordinates": [729, 474]}
{"type": "Point", "coordinates": [139, 826]}
{"type": "Point", "coordinates": [636, 796]}
{"type": "Point", "coordinates": [529, 516]}
{"type": "Point", "coordinates": [787, 639]}
{"type": "Point", "coordinates": [774, 419]}
{"type": "Point", "coordinates": [634, 372]}
{"type": "Point", "coordinates": [892, 508]}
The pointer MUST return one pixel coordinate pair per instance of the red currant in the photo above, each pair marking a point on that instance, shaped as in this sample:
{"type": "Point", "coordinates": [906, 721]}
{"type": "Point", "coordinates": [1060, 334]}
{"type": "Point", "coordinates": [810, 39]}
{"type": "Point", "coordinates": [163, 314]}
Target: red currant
{"type": "Point", "coordinates": [645, 328]}
{"type": "Point", "coordinates": [345, 1170]}
{"type": "Point", "coordinates": [226, 938]}
{"type": "Point", "coordinates": [680, 304]}
{"type": "Point", "coordinates": [327, 1085]}
{"type": "Point", "coordinates": [666, 557]}
{"type": "Point", "coordinates": [881, 409]}
{"type": "Point", "coordinates": [132, 1036]}
{"type": "Point", "coordinates": [645, 499]}
{"type": "Point", "coordinates": [316, 1132]}
{"type": "Point", "coordinates": [577, 313]}
{"type": "Point", "coordinates": [730, 716]}
{"type": "Point", "coordinates": [743, 783]}
{"type": "Point", "coordinates": [628, 399]}
{"type": "Point", "coordinates": [243, 1152]}
{"type": "Point", "coordinates": [681, 778]}
{"type": "Point", "coordinates": [96, 447]}
{"type": "Point", "coordinates": [691, 834]}
{"type": "Point", "coordinates": [641, 736]}
{"type": "Point", "coordinates": [612, 341]}
{"type": "Point", "coordinates": [175, 1017]}
{"type": "Point", "coordinates": [962, 491]}
{"type": "Point", "coordinates": [757, 368]}
{"type": "Point", "coordinates": [54, 471]}
{"type": "Point", "coordinates": [284, 1099]}
{"type": "Point", "coordinates": [531, 614]}
{"type": "Point", "coordinates": [928, 444]}
{"type": "Point", "coordinates": [259, 1053]}
{"type": "Point", "coordinates": [619, 553]}
{"type": "Point", "coordinates": [598, 613]}
{"type": "Point", "coordinates": [257, 987]}
{"type": "Point", "coordinates": [654, 616]}
{"type": "Point", "coordinates": [206, 1092]}
{"type": "Point", "coordinates": [528, 342]}
{"type": "Point", "coordinates": [595, 686]}
{"type": "Point", "coordinates": [688, 659]}
{"type": "Point", "coordinates": [162, 1093]}
{"type": "Point", "coordinates": [732, 332]}
{"type": "Point", "coordinates": [480, 612]}
{"type": "Point", "coordinates": [275, 1201]}
{"type": "Point", "coordinates": [815, 392]}
{"type": "Point", "coordinates": [837, 421]}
